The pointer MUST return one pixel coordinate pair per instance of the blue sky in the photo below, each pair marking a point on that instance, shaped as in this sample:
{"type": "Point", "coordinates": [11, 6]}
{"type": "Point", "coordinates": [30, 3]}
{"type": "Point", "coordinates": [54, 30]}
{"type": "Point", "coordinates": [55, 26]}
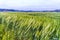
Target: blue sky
{"type": "Point", "coordinates": [30, 4]}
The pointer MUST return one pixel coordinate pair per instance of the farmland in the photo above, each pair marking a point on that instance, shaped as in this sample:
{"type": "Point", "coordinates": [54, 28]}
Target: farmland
{"type": "Point", "coordinates": [29, 26]}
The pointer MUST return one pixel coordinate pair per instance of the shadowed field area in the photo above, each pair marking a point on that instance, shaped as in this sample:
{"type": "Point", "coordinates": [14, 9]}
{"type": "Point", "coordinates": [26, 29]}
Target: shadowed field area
{"type": "Point", "coordinates": [29, 26]}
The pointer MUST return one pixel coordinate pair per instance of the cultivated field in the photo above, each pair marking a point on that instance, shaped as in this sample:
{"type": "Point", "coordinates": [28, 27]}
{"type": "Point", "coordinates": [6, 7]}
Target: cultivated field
{"type": "Point", "coordinates": [29, 26]}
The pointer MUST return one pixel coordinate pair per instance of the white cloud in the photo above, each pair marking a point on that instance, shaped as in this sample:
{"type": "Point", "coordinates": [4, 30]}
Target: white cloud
{"type": "Point", "coordinates": [30, 4]}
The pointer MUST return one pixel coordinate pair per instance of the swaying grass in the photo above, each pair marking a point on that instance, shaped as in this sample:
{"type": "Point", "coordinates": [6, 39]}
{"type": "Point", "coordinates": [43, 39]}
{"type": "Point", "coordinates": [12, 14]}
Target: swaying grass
{"type": "Point", "coordinates": [29, 26]}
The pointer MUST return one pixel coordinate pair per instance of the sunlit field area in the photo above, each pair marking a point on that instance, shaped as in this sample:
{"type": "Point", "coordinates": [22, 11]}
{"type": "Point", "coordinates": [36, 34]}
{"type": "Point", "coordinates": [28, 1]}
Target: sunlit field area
{"type": "Point", "coordinates": [29, 26]}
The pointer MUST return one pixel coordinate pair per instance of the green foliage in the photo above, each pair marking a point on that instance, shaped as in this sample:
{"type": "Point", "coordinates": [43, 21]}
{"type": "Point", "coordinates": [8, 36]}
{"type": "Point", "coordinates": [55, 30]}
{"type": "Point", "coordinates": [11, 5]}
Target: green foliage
{"type": "Point", "coordinates": [29, 26]}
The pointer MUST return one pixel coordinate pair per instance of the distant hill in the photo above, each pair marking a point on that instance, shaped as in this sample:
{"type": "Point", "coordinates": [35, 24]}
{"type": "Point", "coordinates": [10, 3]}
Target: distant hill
{"type": "Point", "coordinates": [4, 10]}
{"type": "Point", "coordinates": [57, 10]}
{"type": "Point", "coordinates": [13, 10]}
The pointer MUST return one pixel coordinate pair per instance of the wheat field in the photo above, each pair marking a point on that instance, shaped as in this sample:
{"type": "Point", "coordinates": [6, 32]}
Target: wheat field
{"type": "Point", "coordinates": [29, 26]}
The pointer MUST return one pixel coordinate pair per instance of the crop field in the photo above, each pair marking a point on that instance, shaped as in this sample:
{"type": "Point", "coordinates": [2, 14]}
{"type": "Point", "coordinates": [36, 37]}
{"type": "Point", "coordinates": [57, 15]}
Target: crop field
{"type": "Point", "coordinates": [29, 26]}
